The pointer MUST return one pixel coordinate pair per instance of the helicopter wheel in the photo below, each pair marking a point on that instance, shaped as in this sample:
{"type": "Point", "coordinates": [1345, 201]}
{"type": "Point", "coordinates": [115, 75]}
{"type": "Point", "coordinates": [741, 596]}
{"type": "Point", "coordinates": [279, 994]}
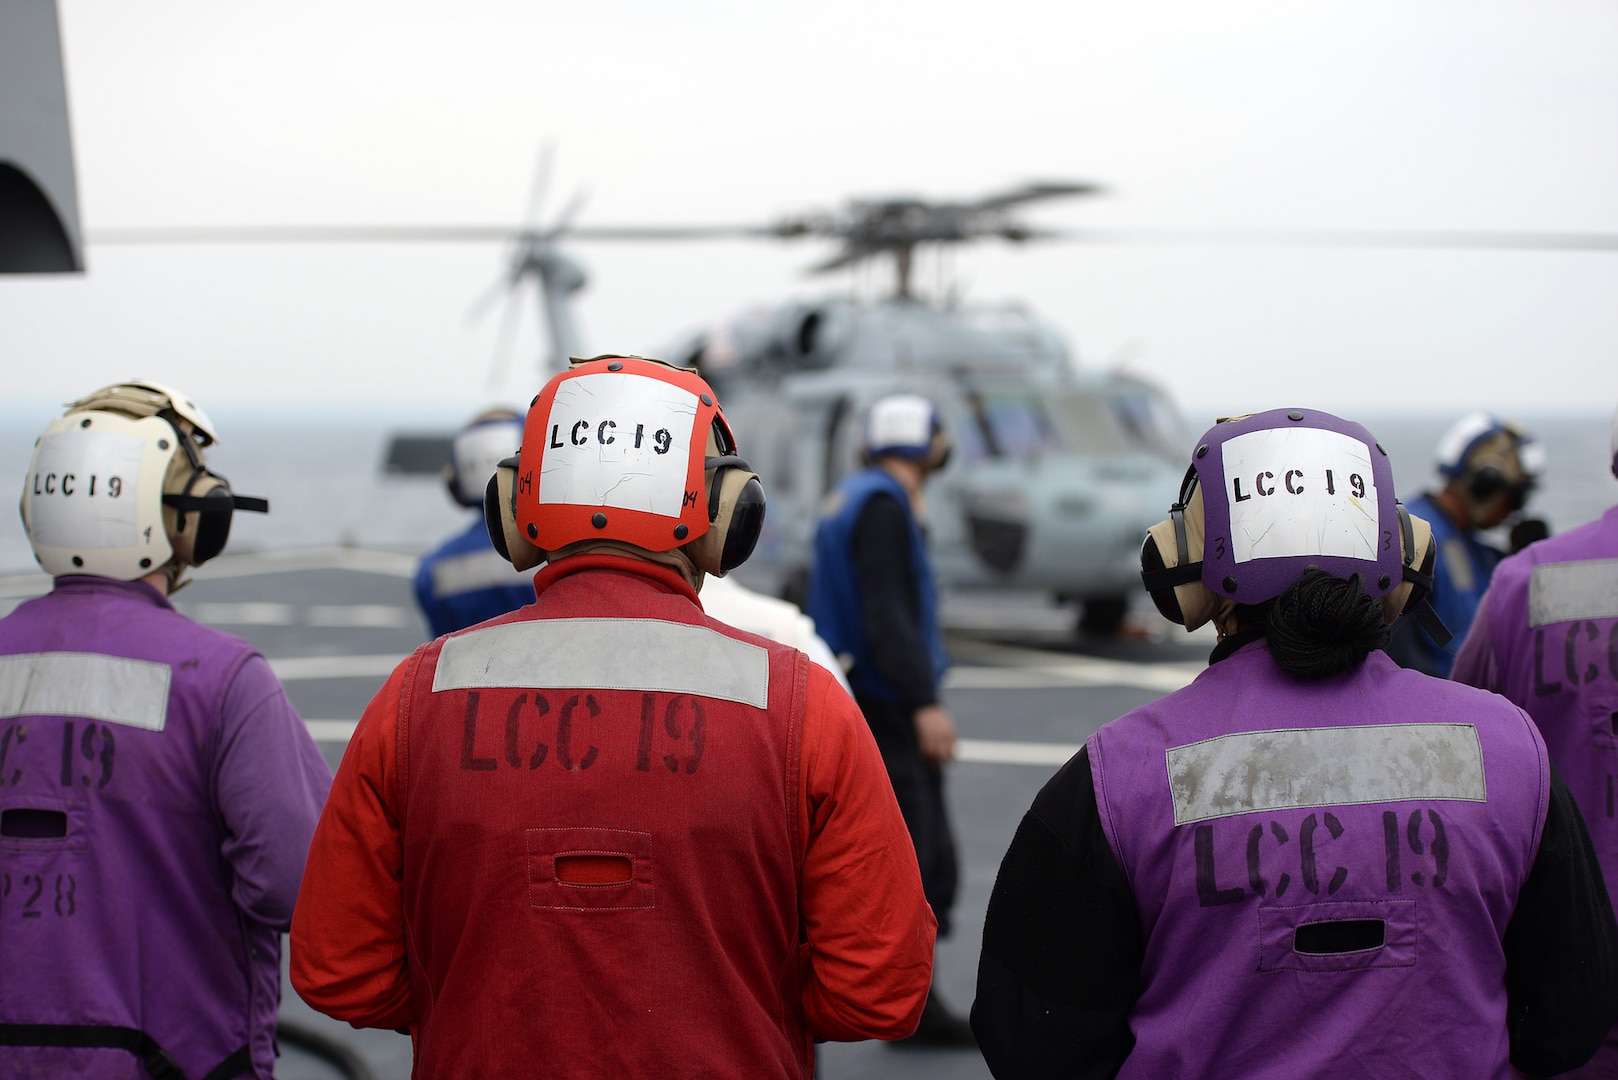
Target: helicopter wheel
{"type": "Point", "coordinates": [1102, 616]}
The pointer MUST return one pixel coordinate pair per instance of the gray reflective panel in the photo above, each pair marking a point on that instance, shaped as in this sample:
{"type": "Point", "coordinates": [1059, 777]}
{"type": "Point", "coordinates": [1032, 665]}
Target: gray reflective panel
{"type": "Point", "coordinates": [607, 654]}
{"type": "Point", "coordinates": [475, 570]}
{"type": "Point", "coordinates": [1560, 592]}
{"type": "Point", "coordinates": [1339, 766]}
{"type": "Point", "coordinates": [87, 685]}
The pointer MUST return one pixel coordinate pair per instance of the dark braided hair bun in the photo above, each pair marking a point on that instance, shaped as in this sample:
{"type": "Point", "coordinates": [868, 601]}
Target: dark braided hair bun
{"type": "Point", "coordinates": [1323, 625]}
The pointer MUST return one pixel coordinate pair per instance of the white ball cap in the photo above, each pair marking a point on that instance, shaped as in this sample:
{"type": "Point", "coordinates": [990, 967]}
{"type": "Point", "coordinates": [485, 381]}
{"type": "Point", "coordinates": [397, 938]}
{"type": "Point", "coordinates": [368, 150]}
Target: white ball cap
{"type": "Point", "coordinates": [903, 422]}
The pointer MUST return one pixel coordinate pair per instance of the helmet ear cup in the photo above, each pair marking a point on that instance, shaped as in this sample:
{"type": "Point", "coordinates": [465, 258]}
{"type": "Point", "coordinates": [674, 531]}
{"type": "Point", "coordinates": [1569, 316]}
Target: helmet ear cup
{"type": "Point", "coordinates": [1419, 553]}
{"type": "Point", "coordinates": [1486, 483]}
{"type": "Point", "coordinates": [1171, 563]}
{"type": "Point", "coordinates": [744, 513]}
{"type": "Point", "coordinates": [199, 525]}
{"type": "Point", "coordinates": [500, 519]}
{"type": "Point", "coordinates": [1422, 587]}
{"type": "Point", "coordinates": [735, 514]}
{"type": "Point", "coordinates": [493, 520]}
{"type": "Point", "coordinates": [1152, 566]}
{"type": "Point", "coordinates": [199, 535]}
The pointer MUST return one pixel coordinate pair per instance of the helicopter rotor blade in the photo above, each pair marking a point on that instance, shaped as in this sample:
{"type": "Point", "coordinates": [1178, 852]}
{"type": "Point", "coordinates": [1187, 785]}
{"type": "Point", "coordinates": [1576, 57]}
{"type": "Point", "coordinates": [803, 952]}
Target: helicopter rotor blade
{"type": "Point", "coordinates": [505, 337]}
{"type": "Point", "coordinates": [1032, 192]}
{"type": "Point", "coordinates": [420, 234]}
{"type": "Point", "coordinates": [851, 254]}
{"type": "Point", "coordinates": [672, 232]}
{"type": "Point", "coordinates": [503, 286]}
{"type": "Point", "coordinates": [1409, 239]}
{"type": "Point", "coordinates": [539, 187]}
{"type": "Point", "coordinates": [308, 234]}
{"type": "Point", "coordinates": [569, 212]}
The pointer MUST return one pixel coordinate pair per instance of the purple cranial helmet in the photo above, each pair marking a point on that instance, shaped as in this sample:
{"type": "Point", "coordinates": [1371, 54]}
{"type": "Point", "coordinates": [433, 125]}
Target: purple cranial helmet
{"type": "Point", "coordinates": [1293, 488]}
{"type": "Point", "coordinates": [1269, 496]}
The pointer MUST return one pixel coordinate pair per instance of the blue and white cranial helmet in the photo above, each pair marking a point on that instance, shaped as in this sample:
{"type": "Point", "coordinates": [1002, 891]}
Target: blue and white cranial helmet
{"type": "Point", "coordinates": [908, 426]}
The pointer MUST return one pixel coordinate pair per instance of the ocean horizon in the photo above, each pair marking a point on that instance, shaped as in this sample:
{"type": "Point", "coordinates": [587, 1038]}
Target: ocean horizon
{"type": "Point", "coordinates": [322, 471]}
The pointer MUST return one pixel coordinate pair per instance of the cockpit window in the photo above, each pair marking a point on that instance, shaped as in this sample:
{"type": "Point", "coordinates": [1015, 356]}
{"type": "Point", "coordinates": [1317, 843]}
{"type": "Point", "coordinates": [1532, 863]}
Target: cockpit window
{"type": "Point", "coordinates": [1151, 421]}
{"type": "Point", "coordinates": [1019, 424]}
{"type": "Point", "coordinates": [1095, 429]}
{"type": "Point", "coordinates": [1008, 425]}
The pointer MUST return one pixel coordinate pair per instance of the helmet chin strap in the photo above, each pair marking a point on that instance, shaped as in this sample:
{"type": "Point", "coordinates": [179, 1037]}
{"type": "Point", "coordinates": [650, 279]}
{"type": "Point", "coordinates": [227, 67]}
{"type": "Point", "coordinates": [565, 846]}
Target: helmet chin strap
{"type": "Point", "coordinates": [1224, 619]}
{"type": "Point", "coordinates": [170, 573]}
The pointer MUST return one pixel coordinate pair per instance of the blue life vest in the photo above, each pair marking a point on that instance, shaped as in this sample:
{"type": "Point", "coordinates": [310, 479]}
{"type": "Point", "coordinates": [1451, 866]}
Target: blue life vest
{"type": "Point", "coordinates": [464, 581]}
{"type": "Point", "coordinates": [835, 603]}
{"type": "Point", "coordinates": [1460, 578]}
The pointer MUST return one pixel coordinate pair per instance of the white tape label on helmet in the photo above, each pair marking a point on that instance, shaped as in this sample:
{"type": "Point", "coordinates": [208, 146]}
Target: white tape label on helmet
{"type": "Point", "coordinates": [82, 491]}
{"type": "Point", "coordinates": [619, 440]}
{"type": "Point", "coordinates": [1300, 491]}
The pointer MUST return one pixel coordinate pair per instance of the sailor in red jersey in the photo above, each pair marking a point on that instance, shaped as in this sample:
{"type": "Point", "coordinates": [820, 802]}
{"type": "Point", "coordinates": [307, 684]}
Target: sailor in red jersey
{"type": "Point", "coordinates": [608, 834]}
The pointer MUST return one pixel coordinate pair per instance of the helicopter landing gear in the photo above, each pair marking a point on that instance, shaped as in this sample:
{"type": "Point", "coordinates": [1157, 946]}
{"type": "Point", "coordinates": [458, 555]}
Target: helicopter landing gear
{"type": "Point", "coordinates": [1102, 616]}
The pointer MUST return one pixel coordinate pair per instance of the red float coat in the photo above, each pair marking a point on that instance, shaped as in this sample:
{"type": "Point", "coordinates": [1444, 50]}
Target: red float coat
{"type": "Point", "coordinates": [618, 838]}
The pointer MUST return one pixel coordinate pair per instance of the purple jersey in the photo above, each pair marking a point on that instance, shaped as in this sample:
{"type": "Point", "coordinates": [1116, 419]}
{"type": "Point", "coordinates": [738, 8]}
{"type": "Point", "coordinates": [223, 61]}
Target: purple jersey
{"type": "Point", "coordinates": [1324, 871]}
{"type": "Point", "coordinates": [157, 797]}
{"type": "Point", "coordinates": [1546, 637]}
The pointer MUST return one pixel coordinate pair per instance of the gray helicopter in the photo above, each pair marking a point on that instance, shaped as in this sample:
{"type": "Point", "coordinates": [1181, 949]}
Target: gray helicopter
{"type": "Point", "coordinates": [1057, 471]}
{"type": "Point", "coordinates": [1059, 468]}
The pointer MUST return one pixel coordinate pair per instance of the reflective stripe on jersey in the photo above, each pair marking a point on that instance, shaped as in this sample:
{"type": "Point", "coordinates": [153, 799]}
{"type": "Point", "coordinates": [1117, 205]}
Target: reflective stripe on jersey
{"type": "Point", "coordinates": [87, 685]}
{"type": "Point", "coordinates": [1335, 766]}
{"type": "Point", "coordinates": [607, 654]}
{"type": "Point", "coordinates": [1562, 592]}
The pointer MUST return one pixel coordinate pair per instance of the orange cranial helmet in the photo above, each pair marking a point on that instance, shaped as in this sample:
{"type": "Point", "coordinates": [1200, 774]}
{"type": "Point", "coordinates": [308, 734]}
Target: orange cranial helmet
{"type": "Point", "coordinates": [630, 449]}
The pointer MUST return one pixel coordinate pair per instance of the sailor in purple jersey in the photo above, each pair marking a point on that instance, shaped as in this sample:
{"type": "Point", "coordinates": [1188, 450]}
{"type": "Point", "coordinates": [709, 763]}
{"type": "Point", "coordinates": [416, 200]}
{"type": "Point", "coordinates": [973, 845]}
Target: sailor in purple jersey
{"type": "Point", "coordinates": [157, 790]}
{"type": "Point", "coordinates": [1546, 637]}
{"type": "Point", "coordinates": [1310, 862]}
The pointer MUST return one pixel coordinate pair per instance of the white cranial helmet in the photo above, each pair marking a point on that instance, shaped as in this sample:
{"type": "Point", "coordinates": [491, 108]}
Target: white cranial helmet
{"type": "Point", "coordinates": [478, 449]}
{"type": "Point", "coordinates": [117, 486]}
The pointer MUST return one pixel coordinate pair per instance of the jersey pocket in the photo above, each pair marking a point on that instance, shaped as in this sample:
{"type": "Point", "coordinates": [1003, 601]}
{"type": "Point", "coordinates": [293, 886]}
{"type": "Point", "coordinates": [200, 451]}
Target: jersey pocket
{"type": "Point", "coordinates": [590, 869]}
{"type": "Point", "coordinates": [1347, 935]}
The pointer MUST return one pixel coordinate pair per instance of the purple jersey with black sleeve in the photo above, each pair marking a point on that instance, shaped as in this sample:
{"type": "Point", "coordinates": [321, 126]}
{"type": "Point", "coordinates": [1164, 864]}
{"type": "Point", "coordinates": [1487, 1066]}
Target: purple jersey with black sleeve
{"type": "Point", "coordinates": [1324, 871]}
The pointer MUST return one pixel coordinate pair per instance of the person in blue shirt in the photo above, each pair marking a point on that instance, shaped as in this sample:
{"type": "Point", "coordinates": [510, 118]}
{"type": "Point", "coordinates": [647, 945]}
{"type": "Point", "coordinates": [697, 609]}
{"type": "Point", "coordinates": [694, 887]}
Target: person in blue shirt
{"type": "Point", "coordinates": [464, 581]}
{"type": "Point", "coordinates": [1489, 467]}
{"type": "Point", "coordinates": [874, 598]}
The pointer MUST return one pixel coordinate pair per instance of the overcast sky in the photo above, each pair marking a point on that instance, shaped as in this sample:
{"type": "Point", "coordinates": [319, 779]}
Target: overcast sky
{"type": "Point", "coordinates": [1385, 114]}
